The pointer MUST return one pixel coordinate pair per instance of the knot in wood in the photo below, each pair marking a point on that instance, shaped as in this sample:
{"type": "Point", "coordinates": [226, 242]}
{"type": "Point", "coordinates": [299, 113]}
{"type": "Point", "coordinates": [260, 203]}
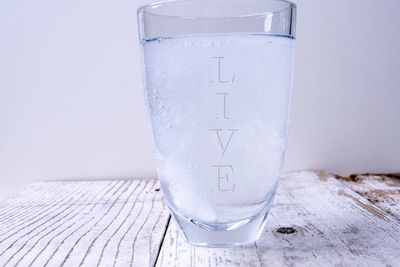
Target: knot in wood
{"type": "Point", "coordinates": [286, 230]}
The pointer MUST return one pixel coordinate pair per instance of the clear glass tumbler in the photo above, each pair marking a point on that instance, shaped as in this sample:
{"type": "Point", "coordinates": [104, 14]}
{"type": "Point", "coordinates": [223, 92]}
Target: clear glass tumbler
{"type": "Point", "coordinates": [218, 81]}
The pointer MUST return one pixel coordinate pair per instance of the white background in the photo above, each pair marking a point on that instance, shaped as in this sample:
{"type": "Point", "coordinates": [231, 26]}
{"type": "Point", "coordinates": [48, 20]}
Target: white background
{"type": "Point", "coordinates": [71, 101]}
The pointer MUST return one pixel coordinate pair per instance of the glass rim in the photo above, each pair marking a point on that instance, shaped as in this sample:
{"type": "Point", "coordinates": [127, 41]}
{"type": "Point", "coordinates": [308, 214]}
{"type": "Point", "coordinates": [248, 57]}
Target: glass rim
{"type": "Point", "coordinates": [154, 5]}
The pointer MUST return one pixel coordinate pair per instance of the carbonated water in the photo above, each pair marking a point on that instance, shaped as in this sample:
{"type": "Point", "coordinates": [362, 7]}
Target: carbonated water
{"type": "Point", "coordinates": [219, 107]}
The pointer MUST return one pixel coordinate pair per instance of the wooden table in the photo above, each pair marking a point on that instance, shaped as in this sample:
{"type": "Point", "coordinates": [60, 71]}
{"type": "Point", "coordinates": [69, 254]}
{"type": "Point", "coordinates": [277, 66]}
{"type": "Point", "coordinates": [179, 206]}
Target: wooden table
{"type": "Point", "coordinates": [353, 221]}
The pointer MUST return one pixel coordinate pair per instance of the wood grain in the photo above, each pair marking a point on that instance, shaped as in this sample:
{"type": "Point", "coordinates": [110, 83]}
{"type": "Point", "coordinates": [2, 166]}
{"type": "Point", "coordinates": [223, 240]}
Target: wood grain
{"type": "Point", "coordinates": [126, 223]}
{"type": "Point", "coordinates": [383, 190]}
{"type": "Point", "coordinates": [100, 223]}
{"type": "Point", "coordinates": [335, 227]}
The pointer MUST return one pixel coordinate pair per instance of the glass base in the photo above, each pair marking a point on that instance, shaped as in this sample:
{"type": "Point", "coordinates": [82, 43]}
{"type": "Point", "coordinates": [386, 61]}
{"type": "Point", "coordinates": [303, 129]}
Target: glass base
{"type": "Point", "coordinates": [220, 235]}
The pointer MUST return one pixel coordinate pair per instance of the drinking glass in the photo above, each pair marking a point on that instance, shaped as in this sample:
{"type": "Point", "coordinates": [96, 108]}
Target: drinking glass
{"type": "Point", "coordinates": [218, 79]}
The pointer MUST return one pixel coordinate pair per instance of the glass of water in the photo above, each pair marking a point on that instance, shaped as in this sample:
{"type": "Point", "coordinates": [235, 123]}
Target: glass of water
{"type": "Point", "coordinates": [218, 80]}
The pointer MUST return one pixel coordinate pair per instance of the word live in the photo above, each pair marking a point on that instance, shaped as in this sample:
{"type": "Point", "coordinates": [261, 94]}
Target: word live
{"type": "Point", "coordinates": [223, 135]}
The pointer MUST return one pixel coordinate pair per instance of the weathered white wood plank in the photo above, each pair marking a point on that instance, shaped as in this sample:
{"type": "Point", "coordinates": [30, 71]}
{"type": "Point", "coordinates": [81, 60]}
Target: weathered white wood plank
{"type": "Point", "coordinates": [381, 189]}
{"type": "Point", "coordinates": [48, 229]}
{"type": "Point", "coordinates": [32, 209]}
{"type": "Point", "coordinates": [122, 223]}
{"type": "Point", "coordinates": [100, 223]}
{"type": "Point", "coordinates": [334, 227]}
{"type": "Point", "coordinates": [16, 204]}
